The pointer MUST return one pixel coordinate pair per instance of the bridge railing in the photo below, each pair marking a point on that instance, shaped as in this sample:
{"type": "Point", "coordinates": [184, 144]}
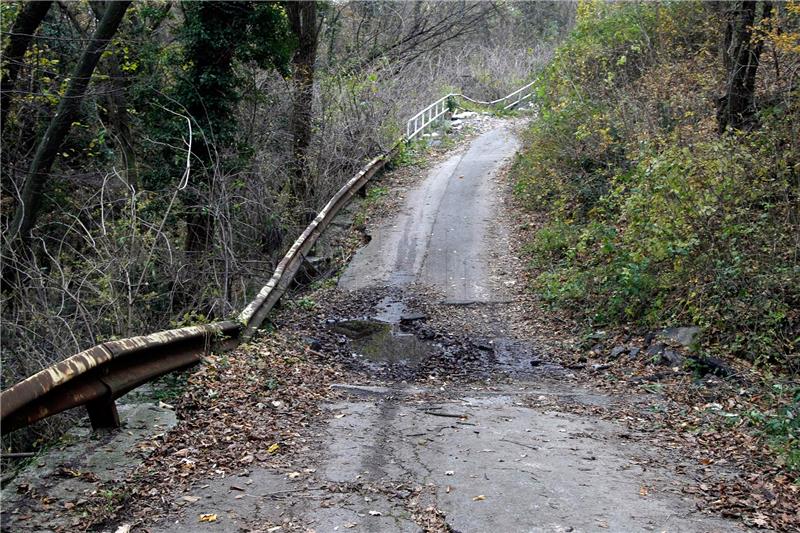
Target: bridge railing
{"type": "Point", "coordinates": [419, 122]}
{"type": "Point", "coordinates": [98, 376]}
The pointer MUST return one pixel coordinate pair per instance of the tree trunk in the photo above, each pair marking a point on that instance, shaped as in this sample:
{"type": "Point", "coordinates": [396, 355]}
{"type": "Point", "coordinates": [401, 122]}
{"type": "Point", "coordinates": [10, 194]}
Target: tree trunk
{"type": "Point", "coordinates": [736, 108]}
{"type": "Point", "coordinates": [117, 104]}
{"type": "Point", "coordinates": [212, 56]}
{"type": "Point", "coordinates": [117, 107]}
{"type": "Point", "coordinates": [31, 196]}
{"type": "Point", "coordinates": [303, 21]}
{"type": "Point", "coordinates": [22, 32]}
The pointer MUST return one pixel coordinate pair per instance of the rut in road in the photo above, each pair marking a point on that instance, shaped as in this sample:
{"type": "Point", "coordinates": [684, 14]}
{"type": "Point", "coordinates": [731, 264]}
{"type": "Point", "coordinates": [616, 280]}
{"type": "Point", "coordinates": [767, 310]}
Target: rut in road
{"type": "Point", "coordinates": [456, 427]}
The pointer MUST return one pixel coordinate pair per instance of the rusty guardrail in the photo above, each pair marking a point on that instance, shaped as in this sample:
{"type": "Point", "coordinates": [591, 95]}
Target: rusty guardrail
{"type": "Point", "coordinates": [98, 376]}
{"type": "Point", "coordinates": [256, 312]}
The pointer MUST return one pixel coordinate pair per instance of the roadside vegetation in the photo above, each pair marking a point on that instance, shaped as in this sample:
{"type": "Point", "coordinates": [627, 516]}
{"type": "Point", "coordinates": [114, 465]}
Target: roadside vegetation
{"type": "Point", "coordinates": [657, 210]}
{"type": "Point", "coordinates": [655, 205]}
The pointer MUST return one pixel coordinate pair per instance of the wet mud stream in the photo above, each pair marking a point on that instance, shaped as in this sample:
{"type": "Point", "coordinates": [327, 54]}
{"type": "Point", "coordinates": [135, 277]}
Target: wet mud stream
{"type": "Point", "coordinates": [444, 419]}
{"type": "Point", "coordinates": [395, 342]}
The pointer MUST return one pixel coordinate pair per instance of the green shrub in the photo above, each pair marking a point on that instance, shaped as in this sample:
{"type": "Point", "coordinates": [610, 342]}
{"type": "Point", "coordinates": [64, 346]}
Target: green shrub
{"type": "Point", "coordinates": [656, 220]}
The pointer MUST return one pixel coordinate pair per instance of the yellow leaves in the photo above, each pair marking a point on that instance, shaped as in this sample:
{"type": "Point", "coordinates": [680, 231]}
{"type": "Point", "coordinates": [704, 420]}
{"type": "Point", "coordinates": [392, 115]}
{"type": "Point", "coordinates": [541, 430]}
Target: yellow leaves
{"type": "Point", "coordinates": [582, 132]}
{"type": "Point", "coordinates": [129, 66]}
{"type": "Point", "coordinates": [479, 498]}
{"type": "Point", "coordinates": [273, 449]}
{"type": "Point", "coordinates": [605, 135]}
{"type": "Point", "coordinates": [776, 29]}
{"type": "Point", "coordinates": [786, 42]}
{"type": "Point", "coordinates": [210, 517]}
{"type": "Point", "coordinates": [588, 11]}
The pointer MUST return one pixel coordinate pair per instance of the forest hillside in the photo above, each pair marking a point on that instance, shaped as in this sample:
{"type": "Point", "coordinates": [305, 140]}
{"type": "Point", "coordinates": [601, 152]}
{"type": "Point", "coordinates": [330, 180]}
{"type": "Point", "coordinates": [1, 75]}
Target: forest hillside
{"type": "Point", "coordinates": [159, 157]}
{"type": "Point", "coordinates": [665, 171]}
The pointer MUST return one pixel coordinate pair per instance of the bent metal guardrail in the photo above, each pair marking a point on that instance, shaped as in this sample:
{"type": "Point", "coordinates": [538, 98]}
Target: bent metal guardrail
{"type": "Point", "coordinates": [98, 376]}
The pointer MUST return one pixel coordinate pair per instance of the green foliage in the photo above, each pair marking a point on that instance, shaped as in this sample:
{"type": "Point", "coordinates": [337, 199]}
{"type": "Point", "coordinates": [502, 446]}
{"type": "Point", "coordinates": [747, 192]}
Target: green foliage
{"type": "Point", "coordinates": [306, 304]}
{"type": "Point", "coordinates": [409, 154]}
{"type": "Point", "coordinates": [780, 424]}
{"type": "Point", "coordinates": [191, 318]}
{"type": "Point", "coordinates": [215, 34]}
{"type": "Point", "coordinates": [374, 194]}
{"type": "Point", "coordinates": [216, 40]}
{"type": "Point", "coordinates": [654, 219]}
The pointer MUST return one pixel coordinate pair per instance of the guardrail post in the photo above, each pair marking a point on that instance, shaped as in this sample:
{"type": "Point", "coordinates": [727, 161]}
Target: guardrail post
{"type": "Point", "coordinates": [95, 376]}
{"type": "Point", "coordinates": [103, 413]}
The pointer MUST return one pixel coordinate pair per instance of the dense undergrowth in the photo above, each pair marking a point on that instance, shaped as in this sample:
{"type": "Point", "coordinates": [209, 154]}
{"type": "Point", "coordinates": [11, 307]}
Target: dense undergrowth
{"type": "Point", "coordinates": [651, 217]}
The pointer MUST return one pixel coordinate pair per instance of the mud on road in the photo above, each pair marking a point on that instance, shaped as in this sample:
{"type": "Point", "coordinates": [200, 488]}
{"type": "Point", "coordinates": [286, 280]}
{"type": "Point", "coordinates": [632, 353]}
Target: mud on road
{"type": "Point", "coordinates": [452, 413]}
{"type": "Point", "coordinates": [425, 391]}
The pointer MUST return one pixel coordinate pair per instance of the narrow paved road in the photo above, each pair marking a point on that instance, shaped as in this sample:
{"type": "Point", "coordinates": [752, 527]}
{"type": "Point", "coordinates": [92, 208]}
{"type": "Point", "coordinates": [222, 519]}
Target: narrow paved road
{"type": "Point", "coordinates": [441, 237]}
{"type": "Point", "coordinates": [485, 455]}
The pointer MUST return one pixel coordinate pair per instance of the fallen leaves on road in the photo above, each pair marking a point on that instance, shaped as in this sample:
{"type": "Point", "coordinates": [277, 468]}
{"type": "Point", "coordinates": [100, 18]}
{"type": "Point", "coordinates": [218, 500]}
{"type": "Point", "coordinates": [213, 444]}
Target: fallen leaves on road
{"type": "Point", "coordinates": [211, 517]}
{"type": "Point", "coordinates": [737, 474]}
{"type": "Point", "coordinates": [227, 422]}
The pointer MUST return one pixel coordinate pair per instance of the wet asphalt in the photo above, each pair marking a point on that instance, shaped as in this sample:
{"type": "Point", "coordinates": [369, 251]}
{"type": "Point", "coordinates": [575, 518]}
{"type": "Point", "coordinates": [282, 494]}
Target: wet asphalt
{"type": "Point", "coordinates": [395, 455]}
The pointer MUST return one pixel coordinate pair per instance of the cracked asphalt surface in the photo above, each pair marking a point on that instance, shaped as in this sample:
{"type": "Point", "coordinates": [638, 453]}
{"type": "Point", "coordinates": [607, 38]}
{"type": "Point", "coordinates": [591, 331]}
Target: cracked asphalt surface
{"type": "Point", "coordinates": [439, 237]}
{"type": "Point", "coordinates": [464, 455]}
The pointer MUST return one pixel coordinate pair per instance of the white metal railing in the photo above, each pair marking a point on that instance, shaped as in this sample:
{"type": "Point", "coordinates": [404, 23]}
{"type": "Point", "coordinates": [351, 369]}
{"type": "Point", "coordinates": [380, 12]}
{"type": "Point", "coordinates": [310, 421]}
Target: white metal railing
{"type": "Point", "coordinates": [430, 114]}
{"type": "Point", "coordinates": [424, 118]}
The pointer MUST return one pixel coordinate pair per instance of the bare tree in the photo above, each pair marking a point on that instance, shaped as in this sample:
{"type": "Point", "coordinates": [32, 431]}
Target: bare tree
{"type": "Point", "coordinates": [46, 152]}
{"type": "Point", "coordinates": [397, 33]}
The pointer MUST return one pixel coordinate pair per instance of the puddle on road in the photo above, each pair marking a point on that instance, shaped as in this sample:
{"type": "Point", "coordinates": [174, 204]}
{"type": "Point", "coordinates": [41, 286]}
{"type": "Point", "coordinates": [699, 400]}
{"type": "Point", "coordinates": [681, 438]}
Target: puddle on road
{"type": "Point", "coordinates": [391, 336]}
{"type": "Point", "coordinates": [379, 338]}
{"type": "Point", "coordinates": [381, 343]}
{"type": "Point", "coordinates": [389, 310]}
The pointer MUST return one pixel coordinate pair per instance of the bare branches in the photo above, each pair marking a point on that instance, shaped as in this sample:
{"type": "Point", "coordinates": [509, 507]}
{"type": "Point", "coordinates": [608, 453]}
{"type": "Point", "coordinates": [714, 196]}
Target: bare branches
{"type": "Point", "coordinates": [30, 197]}
{"type": "Point", "coordinates": [25, 25]}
